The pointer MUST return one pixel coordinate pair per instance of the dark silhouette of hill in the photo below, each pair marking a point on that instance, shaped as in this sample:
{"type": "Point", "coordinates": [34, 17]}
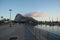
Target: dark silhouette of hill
{"type": "Point", "coordinates": [25, 19]}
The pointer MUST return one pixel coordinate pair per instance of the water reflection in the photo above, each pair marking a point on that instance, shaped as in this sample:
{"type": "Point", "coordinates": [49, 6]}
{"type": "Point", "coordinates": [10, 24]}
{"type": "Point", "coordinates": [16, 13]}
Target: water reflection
{"type": "Point", "coordinates": [52, 29]}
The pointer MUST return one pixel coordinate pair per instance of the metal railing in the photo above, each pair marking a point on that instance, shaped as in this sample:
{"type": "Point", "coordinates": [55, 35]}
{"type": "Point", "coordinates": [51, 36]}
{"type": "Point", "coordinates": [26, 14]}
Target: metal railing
{"type": "Point", "coordinates": [42, 34]}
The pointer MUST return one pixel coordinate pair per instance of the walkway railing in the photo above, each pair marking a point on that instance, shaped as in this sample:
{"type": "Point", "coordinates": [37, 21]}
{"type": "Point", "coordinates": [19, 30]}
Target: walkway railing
{"type": "Point", "coordinates": [42, 34]}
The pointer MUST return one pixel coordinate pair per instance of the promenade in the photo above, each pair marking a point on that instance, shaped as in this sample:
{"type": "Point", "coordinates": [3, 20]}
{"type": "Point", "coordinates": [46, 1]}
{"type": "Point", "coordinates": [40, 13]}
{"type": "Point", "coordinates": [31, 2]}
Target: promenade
{"type": "Point", "coordinates": [16, 32]}
{"type": "Point", "coordinates": [24, 31]}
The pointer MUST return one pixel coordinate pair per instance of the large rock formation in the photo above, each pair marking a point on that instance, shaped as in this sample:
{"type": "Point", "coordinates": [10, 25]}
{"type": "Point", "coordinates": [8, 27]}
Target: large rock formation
{"type": "Point", "coordinates": [19, 18]}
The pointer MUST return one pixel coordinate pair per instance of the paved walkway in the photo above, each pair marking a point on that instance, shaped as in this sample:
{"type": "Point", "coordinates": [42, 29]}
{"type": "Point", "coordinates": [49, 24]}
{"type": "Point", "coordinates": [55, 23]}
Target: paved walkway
{"type": "Point", "coordinates": [18, 31]}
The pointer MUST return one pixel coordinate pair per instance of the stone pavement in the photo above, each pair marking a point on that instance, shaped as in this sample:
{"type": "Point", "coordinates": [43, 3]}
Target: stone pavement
{"type": "Point", "coordinates": [18, 31]}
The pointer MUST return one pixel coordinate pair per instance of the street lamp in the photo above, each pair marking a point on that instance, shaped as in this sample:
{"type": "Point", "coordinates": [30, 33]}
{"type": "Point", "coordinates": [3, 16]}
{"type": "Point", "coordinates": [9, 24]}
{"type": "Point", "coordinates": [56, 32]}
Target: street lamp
{"type": "Point", "coordinates": [10, 13]}
{"type": "Point", "coordinates": [10, 16]}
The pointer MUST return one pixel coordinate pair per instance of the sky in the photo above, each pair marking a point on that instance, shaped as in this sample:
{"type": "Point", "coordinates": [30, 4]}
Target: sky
{"type": "Point", "coordinates": [52, 7]}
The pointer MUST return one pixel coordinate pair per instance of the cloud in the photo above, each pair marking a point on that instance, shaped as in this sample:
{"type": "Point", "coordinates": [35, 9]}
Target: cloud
{"type": "Point", "coordinates": [36, 14]}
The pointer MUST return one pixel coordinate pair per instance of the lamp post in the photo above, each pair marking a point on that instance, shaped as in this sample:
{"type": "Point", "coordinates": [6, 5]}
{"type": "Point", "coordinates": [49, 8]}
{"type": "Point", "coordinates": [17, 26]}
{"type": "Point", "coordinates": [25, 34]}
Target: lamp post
{"type": "Point", "coordinates": [10, 16]}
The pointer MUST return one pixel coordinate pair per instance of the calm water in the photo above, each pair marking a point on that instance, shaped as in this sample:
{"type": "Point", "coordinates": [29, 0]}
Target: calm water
{"type": "Point", "coordinates": [52, 29]}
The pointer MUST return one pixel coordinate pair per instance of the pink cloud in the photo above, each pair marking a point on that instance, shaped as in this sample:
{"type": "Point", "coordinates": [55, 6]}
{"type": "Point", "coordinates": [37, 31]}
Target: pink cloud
{"type": "Point", "coordinates": [36, 14]}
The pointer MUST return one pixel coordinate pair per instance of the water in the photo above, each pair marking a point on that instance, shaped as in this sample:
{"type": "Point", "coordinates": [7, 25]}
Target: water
{"type": "Point", "coordinates": [51, 29]}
